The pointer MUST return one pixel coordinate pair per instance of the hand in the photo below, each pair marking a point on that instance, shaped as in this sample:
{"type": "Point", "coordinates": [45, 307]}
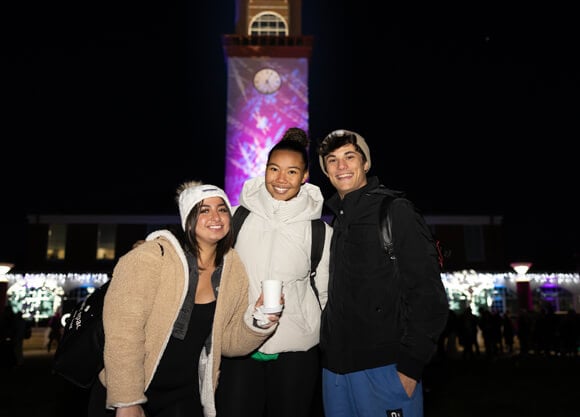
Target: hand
{"type": "Point", "coordinates": [272, 318]}
{"type": "Point", "coordinates": [409, 384]}
{"type": "Point", "coordinates": [260, 303]}
{"type": "Point", "coordinates": [131, 411]}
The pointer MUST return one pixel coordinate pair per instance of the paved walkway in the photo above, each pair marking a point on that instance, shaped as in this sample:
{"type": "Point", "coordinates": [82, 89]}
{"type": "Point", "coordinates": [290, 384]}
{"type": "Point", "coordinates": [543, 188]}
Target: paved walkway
{"type": "Point", "coordinates": [507, 386]}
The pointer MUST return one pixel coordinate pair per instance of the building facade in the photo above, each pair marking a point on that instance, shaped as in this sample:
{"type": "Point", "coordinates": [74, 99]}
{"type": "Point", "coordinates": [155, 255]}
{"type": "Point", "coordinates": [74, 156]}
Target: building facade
{"type": "Point", "coordinates": [70, 255]}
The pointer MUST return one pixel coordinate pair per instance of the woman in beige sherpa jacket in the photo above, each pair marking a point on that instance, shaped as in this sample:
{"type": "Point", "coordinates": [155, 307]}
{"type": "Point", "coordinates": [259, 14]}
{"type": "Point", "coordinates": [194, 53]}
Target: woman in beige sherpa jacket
{"type": "Point", "coordinates": [170, 314]}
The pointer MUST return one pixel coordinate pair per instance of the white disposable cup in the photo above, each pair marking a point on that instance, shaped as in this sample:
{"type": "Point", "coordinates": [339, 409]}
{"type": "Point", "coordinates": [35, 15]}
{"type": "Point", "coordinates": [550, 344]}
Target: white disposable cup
{"type": "Point", "coordinates": [272, 289]}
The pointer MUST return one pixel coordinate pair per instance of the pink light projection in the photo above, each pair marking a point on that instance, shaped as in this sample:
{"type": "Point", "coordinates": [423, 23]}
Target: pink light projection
{"type": "Point", "coordinates": [255, 121]}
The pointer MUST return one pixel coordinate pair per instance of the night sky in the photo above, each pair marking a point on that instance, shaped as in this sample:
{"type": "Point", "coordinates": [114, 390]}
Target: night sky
{"type": "Point", "coordinates": [471, 109]}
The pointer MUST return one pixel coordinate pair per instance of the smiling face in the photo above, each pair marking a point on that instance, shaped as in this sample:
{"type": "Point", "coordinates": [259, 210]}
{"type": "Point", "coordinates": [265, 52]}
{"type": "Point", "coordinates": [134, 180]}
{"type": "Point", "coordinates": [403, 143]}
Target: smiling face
{"type": "Point", "coordinates": [346, 169]}
{"type": "Point", "coordinates": [213, 221]}
{"type": "Point", "coordinates": [285, 173]}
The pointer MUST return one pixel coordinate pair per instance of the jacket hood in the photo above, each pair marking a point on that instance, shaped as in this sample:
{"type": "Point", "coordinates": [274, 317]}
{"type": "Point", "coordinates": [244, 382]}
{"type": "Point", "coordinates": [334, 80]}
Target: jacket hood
{"type": "Point", "coordinates": [307, 204]}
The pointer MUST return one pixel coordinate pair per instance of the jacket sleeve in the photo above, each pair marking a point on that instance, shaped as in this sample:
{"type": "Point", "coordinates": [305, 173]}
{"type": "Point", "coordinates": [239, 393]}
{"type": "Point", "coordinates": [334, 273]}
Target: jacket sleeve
{"type": "Point", "coordinates": [323, 270]}
{"type": "Point", "coordinates": [126, 307]}
{"type": "Point", "coordinates": [240, 337]}
{"type": "Point", "coordinates": [424, 304]}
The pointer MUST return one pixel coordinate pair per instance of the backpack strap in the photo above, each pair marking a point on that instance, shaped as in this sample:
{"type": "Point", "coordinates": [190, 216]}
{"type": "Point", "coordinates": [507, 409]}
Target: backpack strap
{"type": "Point", "coordinates": [237, 220]}
{"type": "Point", "coordinates": [318, 234]}
{"type": "Point", "coordinates": [317, 244]}
{"type": "Point", "coordinates": [386, 227]}
{"type": "Point", "coordinates": [385, 218]}
{"type": "Point", "coordinates": [386, 231]}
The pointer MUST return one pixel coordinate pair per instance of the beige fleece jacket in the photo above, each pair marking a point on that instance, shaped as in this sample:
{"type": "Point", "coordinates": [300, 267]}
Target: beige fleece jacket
{"type": "Point", "coordinates": [148, 287]}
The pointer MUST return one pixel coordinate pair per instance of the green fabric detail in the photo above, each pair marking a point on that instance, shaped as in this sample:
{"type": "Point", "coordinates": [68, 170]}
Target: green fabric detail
{"type": "Point", "coordinates": [263, 357]}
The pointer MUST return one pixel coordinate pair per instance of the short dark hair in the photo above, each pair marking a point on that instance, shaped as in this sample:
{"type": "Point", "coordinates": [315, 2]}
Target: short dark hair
{"type": "Point", "coordinates": [338, 139]}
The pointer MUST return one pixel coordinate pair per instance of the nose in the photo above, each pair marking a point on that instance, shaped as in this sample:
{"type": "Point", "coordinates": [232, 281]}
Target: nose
{"type": "Point", "coordinates": [342, 163]}
{"type": "Point", "coordinates": [281, 176]}
{"type": "Point", "coordinates": [215, 214]}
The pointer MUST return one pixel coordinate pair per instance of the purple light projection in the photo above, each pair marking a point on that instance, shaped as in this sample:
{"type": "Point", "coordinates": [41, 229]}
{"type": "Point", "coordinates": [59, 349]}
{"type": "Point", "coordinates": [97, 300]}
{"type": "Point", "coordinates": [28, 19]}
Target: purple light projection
{"type": "Point", "coordinates": [255, 121]}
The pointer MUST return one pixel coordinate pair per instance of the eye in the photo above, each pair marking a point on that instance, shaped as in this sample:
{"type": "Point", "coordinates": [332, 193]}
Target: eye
{"type": "Point", "coordinates": [331, 160]}
{"type": "Point", "coordinates": [223, 210]}
{"type": "Point", "coordinates": [204, 210]}
{"type": "Point", "coordinates": [292, 172]}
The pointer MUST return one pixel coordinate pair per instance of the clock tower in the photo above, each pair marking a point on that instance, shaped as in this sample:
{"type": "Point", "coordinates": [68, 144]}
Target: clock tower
{"type": "Point", "coordinates": [267, 85]}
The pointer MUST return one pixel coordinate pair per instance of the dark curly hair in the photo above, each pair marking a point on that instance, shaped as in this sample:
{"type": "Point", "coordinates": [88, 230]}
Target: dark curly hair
{"type": "Point", "coordinates": [296, 140]}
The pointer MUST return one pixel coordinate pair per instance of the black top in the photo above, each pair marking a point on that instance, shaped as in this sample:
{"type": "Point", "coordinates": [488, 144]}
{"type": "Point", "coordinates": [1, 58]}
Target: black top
{"type": "Point", "coordinates": [176, 376]}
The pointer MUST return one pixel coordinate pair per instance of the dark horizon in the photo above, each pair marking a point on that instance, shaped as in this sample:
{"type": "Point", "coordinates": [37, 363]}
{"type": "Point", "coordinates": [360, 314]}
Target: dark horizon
{"type": "Point", "coordinates": [470, 109]}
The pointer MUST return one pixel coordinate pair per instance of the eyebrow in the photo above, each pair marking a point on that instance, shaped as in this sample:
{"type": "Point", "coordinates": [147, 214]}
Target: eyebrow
{"type": "Point", "coordinates": [345, 153]}
{"type": "Point", "coordinates": [290, 167]}
{"type": "Point", "coordinates": [209, 205]}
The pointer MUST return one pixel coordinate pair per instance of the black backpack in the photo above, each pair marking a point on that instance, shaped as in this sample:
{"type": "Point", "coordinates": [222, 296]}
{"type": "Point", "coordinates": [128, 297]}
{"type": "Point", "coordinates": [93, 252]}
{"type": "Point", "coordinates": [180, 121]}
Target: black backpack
{"type": "Point", "coordinates": [318, 234]}
{"type": "Point", "coordinates": [385, 222]}
{"type": "Point", "coordinates": [79, 355]}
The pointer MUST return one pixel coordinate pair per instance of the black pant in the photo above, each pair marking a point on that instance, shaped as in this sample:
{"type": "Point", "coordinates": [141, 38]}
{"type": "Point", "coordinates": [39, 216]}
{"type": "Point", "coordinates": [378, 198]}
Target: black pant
{"type": "Point", "coordinates": [97, 400]}
{"type": "Point", "coordinates": [284, 387]}
{"type": "Point", "coordinates": [186, 407]}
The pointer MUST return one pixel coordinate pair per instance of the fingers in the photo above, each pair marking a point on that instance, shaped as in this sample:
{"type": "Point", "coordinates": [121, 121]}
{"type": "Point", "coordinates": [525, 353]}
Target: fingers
{"type": "Point", "coordinates": [260, 301]}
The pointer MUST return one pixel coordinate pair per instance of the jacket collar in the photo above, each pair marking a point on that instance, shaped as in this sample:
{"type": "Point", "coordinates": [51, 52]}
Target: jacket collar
{"type": "Point", "coordinates": [335, 203]}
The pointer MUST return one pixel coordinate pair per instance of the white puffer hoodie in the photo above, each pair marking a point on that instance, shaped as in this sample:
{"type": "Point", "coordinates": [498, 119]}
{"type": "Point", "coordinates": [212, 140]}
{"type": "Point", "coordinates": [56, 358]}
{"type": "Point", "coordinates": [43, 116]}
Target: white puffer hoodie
{"type": "Point", "coordinates": [274, 243]}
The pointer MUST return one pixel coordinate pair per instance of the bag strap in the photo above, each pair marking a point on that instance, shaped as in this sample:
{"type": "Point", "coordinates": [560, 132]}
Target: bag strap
{"type": "Point", "coordinates": [386, 227]}
{"type": "Point", "coordinates": [317, 245]}
{"type": "Point", "coordinates": [385, 218]}
{"type": "Point", "coordinates": [237, 220]}
{"type": "Point", "coordinates": [386, 232]}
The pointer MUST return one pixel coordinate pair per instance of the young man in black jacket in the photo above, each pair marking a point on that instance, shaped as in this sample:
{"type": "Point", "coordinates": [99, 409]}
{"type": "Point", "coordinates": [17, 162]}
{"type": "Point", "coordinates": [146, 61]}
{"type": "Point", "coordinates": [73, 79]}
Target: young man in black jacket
{"type": "Point", "coordinates": [384, 316]}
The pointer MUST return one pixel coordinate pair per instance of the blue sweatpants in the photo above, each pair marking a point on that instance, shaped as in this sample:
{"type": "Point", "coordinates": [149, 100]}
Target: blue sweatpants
{"type": "Point", "coordinates": [376, 392]}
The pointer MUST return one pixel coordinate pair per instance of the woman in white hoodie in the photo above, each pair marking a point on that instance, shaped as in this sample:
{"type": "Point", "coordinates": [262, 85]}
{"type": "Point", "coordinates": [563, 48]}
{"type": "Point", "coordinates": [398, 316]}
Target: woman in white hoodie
{"type": "Point", "coordinates": [274, 242]}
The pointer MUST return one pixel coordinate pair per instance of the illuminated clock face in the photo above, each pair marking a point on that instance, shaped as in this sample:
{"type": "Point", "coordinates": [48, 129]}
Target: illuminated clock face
{"type": "Point", "coordinates": [267, 80]}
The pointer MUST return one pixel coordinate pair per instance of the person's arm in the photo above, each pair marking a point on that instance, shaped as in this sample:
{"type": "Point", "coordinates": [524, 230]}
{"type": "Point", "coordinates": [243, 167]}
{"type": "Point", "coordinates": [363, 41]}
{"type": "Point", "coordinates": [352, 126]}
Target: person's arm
{"type": "Point", "coordinates": [240, 336]}
{"type": "Point", "coordinates": [424, 300]}
{"type": "Point", "coordinates": [127, 306]}
{"type": "Point", "coordinates": [323, 270]}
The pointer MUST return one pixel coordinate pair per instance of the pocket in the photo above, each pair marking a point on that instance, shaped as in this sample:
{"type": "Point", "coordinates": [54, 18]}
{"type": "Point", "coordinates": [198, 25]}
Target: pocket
{"type": "Point", "coordinates": [394, 381]}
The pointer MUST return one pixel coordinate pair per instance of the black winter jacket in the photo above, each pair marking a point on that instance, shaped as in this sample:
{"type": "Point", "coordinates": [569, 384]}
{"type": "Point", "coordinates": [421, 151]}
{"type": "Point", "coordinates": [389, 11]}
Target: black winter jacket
{"type": "Point", "coordinates": [374, 318]}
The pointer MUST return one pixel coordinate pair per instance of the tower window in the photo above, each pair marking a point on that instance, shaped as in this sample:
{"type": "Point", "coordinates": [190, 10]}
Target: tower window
{"type": "Point", "coordinates": [268, 24]}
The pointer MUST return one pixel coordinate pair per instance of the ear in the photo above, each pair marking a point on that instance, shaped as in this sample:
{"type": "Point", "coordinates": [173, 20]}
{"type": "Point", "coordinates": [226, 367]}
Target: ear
{"type": "Point", "coordinates": [304, 177]}
{"type": "Point", "coordinates": [366, 167]}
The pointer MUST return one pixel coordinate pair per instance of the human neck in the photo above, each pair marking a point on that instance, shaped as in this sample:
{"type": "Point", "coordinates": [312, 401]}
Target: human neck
{"type": "Point", "coordinates": [206, 257]}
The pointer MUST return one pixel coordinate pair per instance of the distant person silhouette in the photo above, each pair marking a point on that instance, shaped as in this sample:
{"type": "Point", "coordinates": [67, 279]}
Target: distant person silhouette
{"type": "Point", "coordinates": [447, 344]}
{"type": "Point", "coordinates": [7, 338]}
{"type": "Point", "coordinates": [468, 325]}
{"type": "Point", "coordinates": [20, 329]}
{"type": "Point", "coordinates": [524, 326]}
{"type": "Point", "coordinates": [570, 333]}
{"type": "Point", "coordinates": [55, 330]}
{"type": "Point", "coordinates": [508, 332]}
